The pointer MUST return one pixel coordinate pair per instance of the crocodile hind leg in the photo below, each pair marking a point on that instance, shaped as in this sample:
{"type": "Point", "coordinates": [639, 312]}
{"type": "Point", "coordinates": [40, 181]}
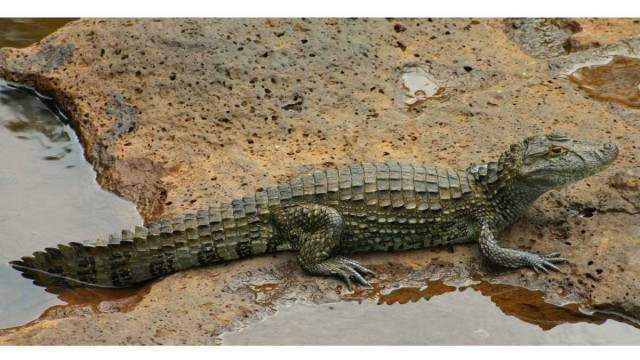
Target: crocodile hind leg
{"type": "Point", "coordinates": [513, 258]}
{"type": "Point", "coordinates": [315, 231]}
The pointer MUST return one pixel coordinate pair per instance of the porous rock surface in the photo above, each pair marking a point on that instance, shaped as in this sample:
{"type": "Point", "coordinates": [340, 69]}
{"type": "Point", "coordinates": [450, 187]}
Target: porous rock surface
{"type": "Point", "coordinates": [180, 114]}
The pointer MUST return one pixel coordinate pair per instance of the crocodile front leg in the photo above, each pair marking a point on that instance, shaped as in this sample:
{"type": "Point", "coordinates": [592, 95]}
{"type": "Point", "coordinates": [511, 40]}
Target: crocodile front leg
{"type": "Point", "coordinates": [513, 258]}
{"type": "Point", "coordinates": [315, 231]}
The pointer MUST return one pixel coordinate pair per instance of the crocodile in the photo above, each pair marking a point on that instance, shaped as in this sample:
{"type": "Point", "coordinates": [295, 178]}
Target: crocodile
{"type": "Point", "coordinates": [325, 214]}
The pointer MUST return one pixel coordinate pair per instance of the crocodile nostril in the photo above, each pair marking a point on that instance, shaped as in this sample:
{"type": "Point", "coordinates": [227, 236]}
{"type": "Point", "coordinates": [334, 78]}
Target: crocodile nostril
{"type": "Point", "coordinates": [608, 146]}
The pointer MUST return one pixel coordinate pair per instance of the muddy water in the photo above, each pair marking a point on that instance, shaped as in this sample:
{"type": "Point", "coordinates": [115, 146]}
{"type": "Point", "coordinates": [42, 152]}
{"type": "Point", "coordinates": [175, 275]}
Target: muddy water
{"type": "Point", "coordinates": [48, 195]}
{"type": "Point", "coordinates": [617, 81]}
{"type": "Point", "coordinates": [22, 32]}
{"type": "Point", "coordinates": [438, 314]}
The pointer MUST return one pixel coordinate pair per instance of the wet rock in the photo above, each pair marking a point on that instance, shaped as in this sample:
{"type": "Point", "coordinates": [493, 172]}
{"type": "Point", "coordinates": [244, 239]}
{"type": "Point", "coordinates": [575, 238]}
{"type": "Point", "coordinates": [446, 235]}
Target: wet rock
{"type": "Point", "coordinates": [595, 33]}
{"type": "Point", "coordinates": [618, 80]}
{"type": "Point", "coordinates": [551, 38]}
{"type": "Point", "coordinates": [544, 38]}
{"type": "Point", "coordinates": [437, 81]}
{"type": "Point", "coordinates": [598, 58]}
{"type": "Point", "coordinates": [191, 93]}
{"type": "Point", "coordinates": [564, 66]}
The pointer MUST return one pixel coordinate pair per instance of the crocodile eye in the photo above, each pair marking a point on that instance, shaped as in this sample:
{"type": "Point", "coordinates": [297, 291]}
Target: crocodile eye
{"type": "Point", "coordinates": [555, 150]}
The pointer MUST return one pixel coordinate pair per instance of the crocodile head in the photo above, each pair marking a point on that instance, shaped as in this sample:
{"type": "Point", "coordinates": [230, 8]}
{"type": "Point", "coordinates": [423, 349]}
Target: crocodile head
{"type": "Point", "coordinates": [551, 161]}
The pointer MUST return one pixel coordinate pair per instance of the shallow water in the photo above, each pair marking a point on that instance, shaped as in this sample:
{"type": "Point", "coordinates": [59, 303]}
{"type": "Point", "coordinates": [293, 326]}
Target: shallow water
{"type": "Point", "coordinates": [48, 195]}
{"type": "Point", "coordinates": [22, 32]}
{"type": "Point", "coordinates": [463, 316]}
{"type": "Point", "coordinates": [420, 87]}
{"type": "Point", "coordinates": [617, 81]}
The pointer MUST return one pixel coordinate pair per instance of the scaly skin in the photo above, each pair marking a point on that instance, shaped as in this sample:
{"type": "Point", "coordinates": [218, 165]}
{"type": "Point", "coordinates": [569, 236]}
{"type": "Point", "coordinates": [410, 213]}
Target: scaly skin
{"type": "Point", "coordinates": [324, 214]}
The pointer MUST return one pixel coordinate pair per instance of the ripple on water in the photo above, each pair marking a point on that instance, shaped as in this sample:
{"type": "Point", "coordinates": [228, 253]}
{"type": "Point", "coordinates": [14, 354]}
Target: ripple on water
{"type": "Point", "coordinates": [48, 195]}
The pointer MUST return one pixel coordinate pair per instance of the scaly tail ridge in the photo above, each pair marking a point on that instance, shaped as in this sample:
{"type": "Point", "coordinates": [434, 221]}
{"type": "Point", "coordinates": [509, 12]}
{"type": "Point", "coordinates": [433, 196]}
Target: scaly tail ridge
{"type": "Point", "coordinates": [231, 231]}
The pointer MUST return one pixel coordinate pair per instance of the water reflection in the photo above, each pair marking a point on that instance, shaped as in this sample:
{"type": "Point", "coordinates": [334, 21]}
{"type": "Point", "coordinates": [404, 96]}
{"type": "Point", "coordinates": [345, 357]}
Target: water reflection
{"type": "Point", "coordinates": [617, 81]}
{"type": "Point", "coordinates": [526, 305]}
{"type": "Point", "coordinates": [48, 195]}
{"type": "Point", "coordinates": [22, 32]}
{"type": "Point", "coordinates": [34, 122]}
{"type": "Point", "coordinates": [437, 314]}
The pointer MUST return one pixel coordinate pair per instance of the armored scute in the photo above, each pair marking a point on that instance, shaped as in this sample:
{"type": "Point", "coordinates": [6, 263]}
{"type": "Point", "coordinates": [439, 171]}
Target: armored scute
{"type": "Point", "coordinates": [325, 214]}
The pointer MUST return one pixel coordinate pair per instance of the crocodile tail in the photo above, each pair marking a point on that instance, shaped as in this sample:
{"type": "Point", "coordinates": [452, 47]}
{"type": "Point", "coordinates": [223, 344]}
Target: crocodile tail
{"type": "Point", "coordinates": [224, 233]}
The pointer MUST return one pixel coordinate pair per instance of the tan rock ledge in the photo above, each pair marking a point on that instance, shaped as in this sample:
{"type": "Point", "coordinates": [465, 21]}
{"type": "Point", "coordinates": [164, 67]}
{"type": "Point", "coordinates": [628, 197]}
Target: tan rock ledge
{"type": "Point", "coordinates": [178, 115]}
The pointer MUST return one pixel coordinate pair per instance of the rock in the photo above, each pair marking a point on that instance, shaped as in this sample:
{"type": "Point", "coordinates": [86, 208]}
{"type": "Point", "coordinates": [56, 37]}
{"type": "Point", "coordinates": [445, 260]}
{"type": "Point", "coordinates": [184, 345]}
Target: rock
{"type": "Point", "coordinates": [551, 38]}
{"type": "Point", "coordinates": [544, 38]}
{"type": "Point", "coordinates": [180, 114]}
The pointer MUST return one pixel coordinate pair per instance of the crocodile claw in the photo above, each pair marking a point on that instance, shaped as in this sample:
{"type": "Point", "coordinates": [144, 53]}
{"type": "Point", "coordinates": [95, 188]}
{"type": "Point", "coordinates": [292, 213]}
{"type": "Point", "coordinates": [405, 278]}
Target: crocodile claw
{"type": "Point", "coordinates": [347, 269]}
{"type": "Point", "coordinates": [344, 268]}
{"type": "Point", "coordinates": [361, 269]}
{"type": "Point", "coordinates": [542, 262]}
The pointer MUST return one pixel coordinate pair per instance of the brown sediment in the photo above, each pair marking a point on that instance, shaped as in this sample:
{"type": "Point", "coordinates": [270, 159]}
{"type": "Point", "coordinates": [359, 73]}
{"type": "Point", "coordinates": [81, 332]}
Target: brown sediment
{"type": "Point", "coordinates": [419, 99]}
{"type": "Point", "coordinates": [529, 306]}
{"type": "Point", "coordinates": [400, 294]}
{"type": "Point", "coordinates": [265, 293]}
{"type": "Point", "coordinates": [618, 80]}
{"type": "Point", "coordinates": [83, 301]}
{"type": "Point", "coordinates": [100, 300]}
{"type": "Point", "coordinates": [404, 295]}
{"type": "Point", "coordinates": [400, 286]}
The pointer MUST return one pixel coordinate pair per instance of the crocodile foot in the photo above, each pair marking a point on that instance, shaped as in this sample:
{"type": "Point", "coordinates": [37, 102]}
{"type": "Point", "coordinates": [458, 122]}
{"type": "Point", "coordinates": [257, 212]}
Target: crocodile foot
{"type": "Point", "coordinates": [542, 262]}
{"type": "Point", "coordinates": [344, 268]}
